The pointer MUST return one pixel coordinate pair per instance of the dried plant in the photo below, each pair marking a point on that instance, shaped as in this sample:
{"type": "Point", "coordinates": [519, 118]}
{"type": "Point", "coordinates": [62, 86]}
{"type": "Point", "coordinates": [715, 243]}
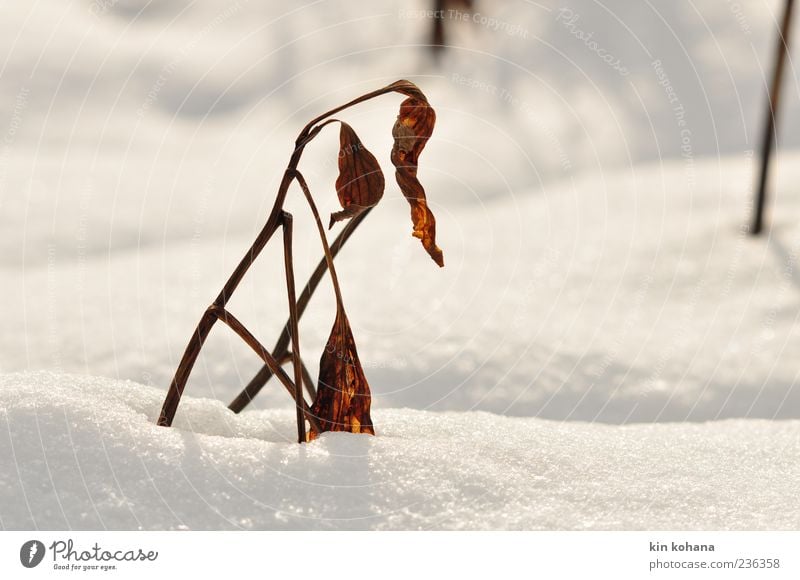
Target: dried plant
{"type": "Point", "coordinates": [341, 399]}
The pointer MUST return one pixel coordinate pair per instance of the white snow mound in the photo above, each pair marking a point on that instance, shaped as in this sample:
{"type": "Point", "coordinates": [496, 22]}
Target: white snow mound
{"type": "Point", "coordinates": [83, 453]}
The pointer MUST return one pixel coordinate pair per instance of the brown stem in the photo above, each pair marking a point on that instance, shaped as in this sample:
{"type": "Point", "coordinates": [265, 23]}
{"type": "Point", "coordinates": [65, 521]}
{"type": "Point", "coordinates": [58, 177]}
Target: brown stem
{"type": "Point", "coordinates": [323, 238]}
{"type": "Point", "coordinates": [307, 381]}
{"type": "Point", "coordinates": [176, 388]}
{"type": "Point", "coordinates": [282, 344]}
{"type": "Point", "coordinates": [178, 384]}
{"type": "Point", "coordinates": [296, 363]}
{"type": "Point", "coordinates": [240, 329]}
{"type": "Point", "coordinates": [310, 131]}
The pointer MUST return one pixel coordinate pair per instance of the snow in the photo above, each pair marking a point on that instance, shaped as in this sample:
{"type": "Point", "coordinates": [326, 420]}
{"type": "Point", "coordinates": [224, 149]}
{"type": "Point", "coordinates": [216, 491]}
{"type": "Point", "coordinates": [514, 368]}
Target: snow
{"type": "Point", "coordinates": [605, 349]}
{"type": "Point", "coordinates": [83, 452]}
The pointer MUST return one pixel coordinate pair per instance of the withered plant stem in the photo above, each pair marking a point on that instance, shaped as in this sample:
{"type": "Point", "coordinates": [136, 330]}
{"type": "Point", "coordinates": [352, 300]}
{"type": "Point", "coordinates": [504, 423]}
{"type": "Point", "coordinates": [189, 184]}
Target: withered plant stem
{"type": "Point", "coordinates": [217, 309]}
{"type": "Point", "coordinates": [282, 344]}
{"type": "Point", "coordinates": [325, 247]}
{"type": "Point", "coordinates": [295, 332]}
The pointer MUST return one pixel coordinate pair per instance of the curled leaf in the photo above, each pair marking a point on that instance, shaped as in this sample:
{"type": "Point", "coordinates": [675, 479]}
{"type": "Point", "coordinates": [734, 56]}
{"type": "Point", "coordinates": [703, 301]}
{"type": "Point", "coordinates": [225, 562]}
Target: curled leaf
{"type": "Point", "coordinates": [411, 132]}
{"type": "Point", "coordinates": [360, 183]}
{"type": "Point", "coordinates": [343, 397]}
{"type": "Point", "coordinates": [406, 88]}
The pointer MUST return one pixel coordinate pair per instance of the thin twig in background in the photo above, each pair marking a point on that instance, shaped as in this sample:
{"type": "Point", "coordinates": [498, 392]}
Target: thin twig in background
{"type": "Point", "coordinates": [769, 139]}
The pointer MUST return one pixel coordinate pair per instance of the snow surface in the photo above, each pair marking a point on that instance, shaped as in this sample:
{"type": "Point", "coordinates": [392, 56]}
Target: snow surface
{"type": "Point", "coordinates": [606, 348]}
{"type": "Point", "coordinates": [71, 464]}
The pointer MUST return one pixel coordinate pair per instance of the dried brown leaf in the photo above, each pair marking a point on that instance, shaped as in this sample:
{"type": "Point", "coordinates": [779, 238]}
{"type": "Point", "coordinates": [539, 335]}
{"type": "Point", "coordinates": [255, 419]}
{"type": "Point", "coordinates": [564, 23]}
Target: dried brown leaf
{"type": "Point", "coordinates": [407, 88]}
{"type": "Point", "coordinates": [343, 397]}
{"type": "Point", "coordinates": [360, 183]}
{"type": "Point", "coordinates": [411, 132]}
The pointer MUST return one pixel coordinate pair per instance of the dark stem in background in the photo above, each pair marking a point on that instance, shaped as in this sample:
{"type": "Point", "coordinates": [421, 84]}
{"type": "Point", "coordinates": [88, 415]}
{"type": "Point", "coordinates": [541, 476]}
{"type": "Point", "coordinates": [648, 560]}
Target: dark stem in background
{"type": "Point", "coordinates": [441, 8]}
{"type": "Point", "coordinates": [772, 113]}
{"type": "Point", "coordinates": [437, 33]}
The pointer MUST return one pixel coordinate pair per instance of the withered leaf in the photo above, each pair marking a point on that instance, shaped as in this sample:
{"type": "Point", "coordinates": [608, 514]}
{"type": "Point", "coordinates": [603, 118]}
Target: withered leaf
{"type": "Point", "coordinates": [407, 88]}
{"type": "Point", "coordinates": [343, 397]}
{"type": "Point", "coordinates": [411, 132]}
{"type": "Point", "coordinates": [360, 183]}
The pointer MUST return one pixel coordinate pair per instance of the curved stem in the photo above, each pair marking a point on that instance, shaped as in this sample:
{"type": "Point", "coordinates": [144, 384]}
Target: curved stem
{"type": "Point", "coordinates": [310, 131]}
{"type": "Point", "coordinates": [326, 248]}
{"type": "Point", "coordinates": [282, 344]}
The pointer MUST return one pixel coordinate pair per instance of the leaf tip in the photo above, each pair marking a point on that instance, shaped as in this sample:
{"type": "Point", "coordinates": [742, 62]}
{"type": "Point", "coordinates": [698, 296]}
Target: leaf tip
{"type": "Point", "coordinates": [437, 256]}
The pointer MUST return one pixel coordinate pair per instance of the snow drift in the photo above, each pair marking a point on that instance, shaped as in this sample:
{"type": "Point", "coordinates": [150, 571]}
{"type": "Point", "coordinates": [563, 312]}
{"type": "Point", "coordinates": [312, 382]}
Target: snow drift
{"type": "Point", "coordinates": [84, 453]}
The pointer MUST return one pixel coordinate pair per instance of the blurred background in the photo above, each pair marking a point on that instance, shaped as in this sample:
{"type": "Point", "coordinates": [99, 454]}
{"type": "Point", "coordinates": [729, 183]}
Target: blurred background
{"type": "Point", "coordinates": [591, 170]}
